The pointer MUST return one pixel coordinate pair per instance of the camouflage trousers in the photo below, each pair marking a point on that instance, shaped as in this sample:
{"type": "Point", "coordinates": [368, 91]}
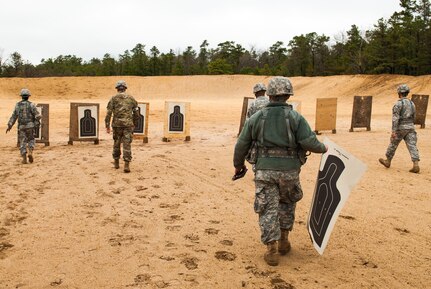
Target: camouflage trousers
{"type": "Point", "coordinates": [275, 201]}
{"type": "Point", "coordinates": [410, 137]}
{"type": "Point", "coordinates": [26, 138]}
{"type": "Point", "coordinates": [122, 135]}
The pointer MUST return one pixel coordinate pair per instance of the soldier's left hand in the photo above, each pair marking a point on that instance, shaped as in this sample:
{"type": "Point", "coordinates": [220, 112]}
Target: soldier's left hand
{"type": "Point", "coordinates": [7, 130]}
{"type": "Point", "coordinates": [108, 130]}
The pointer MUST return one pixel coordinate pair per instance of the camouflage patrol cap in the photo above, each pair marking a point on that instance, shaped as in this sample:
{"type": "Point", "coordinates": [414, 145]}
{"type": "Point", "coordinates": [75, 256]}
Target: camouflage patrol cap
{"type": "Point", "coordinates": [259, 87]}
{"type": "Point", "coordinates": [121, 83]}
{"type": "Point", "coordinates": [403, 88]}
{"type": "Point", "coordinates": [279, 86]}
{"type": "Point", "coordinates": [25, 92]}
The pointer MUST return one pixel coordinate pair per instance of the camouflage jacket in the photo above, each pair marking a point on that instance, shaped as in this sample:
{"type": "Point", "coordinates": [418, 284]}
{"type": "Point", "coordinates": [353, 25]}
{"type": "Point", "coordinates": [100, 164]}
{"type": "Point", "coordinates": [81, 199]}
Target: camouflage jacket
{"type": "Point", "coordinates": [124, 109]}
{"type": "Point", "coordinates": [275, 135]}
{"type": "Point", "coordinates": [257, 105]}
{"type": "Point", "coordinates": [27, 115]}
{"type": "Point", "coordinates": [403, 114]}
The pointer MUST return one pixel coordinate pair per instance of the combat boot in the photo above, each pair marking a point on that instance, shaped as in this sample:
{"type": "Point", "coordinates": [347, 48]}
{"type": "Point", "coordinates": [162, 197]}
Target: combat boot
{"type": "Point", "coordinates": [271, 255]}
{"type": "Point", "coordinates": [126, 167]}
{"type": "Point", "coordinates": [385, 162]}
{"type": "Point", "coordinates": [117, 163]}
{"type": "Point", "coordinates": [24, 158]}
{"type": "Point", "coordinates": [283, 243]}
{"type": "Point", "coordinates": [30, 155]}
{"type": "Point", "coordinates": [415, 168]}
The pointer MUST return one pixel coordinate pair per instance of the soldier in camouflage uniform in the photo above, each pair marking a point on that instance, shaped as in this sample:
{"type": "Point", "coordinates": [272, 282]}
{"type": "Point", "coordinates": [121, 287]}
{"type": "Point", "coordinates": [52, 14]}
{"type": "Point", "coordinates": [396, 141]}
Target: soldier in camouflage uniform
{"type": "Point", "coordinates": [261, 100]}
{"type": "Point", "coordinates": [403, 128]}
{"type": "Point", "coordinates": [124, 109]}
{"type": "Point", "coordinates": [282, 134]}
{"type": "Point", "coordinates": [28, 120]}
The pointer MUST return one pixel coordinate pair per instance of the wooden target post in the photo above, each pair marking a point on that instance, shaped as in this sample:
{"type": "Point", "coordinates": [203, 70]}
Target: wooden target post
{"type": "Point", "coordinates": [246, 103]}
{"type": "Point", "coordinates": [177, 121]}
{"type": "Point", "coordinates": [84, 122]}
{"type": "Point", "coordinates": [141, 130]}
{"type": "Point", "coordinates": [41, 135]}
{"type": "Point", "coordinates": [361, 114]}
{"type": "Point", "coordinates": [421, 104]}
{"type": "Point", "coordinates": [326, 114]}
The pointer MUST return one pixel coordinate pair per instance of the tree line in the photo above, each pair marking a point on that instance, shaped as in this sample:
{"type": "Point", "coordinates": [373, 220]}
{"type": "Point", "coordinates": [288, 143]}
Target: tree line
{"type": "Point", "coordinates": [398, 45]}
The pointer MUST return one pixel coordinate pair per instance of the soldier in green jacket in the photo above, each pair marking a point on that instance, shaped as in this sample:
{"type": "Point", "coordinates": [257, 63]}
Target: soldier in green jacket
{"type": "Point", "coordinates": [283, 136]}
{"type": "Point", "coordinates": [124, 109]}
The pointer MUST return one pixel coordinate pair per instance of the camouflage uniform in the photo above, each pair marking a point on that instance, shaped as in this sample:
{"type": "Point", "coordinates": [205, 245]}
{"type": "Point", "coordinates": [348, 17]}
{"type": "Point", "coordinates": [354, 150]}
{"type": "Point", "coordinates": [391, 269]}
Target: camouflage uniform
{"type": "Point", "coordinates": [278, 165]}
{"type": "Point", "coordinates": [257, 105]}
{"type": "Point", "coordinates": [125, 113]}
{"type": "Point", "coordinates": [276, 195]}
{"type": "Point", "coordinates": [260, 102]}
{"type": "Point", "coordinates": [28, 119]}
{"type": "Point", "coordinates": [403, 115]}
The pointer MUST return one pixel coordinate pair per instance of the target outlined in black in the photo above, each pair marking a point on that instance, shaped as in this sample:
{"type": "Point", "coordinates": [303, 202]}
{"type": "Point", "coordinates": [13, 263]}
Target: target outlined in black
{"type": "Point", "coordinates": [140, 125]}
{"type": "Point", "coordinates": [326, 199]}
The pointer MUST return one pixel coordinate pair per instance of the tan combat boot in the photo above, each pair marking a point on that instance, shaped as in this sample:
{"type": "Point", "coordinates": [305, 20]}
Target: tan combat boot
{"type": "Point", "coordinates": [385, 162]}
{"type": "Point", "coordinates": [116, 163]}
{"type": "Point", "coordinates": [415, 168]}
{"type": "Point", "coordinates": [271, 255]}
{"type": "Point", "coordinates": [283, 243]}
{"type": "Point", "coordinates": [24, 158]}
{"type": "Point", "coordinates": [126, 167]}
{"type": "Point", "coordinates": [30, 155]}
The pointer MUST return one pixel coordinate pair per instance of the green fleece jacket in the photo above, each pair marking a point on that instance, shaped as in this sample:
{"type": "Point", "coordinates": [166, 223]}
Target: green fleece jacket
{"type": "Point", "coordinates": [275, 135]}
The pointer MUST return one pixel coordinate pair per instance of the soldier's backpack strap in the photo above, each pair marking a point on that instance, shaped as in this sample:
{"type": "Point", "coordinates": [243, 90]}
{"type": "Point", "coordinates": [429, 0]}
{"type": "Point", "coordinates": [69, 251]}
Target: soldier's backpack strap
{"type": "Point", "coordinates": [262, 124]}
{"type": "Point", "coordinates": [411, 106]}
{"type": "Point", "coordinates": [290, 135]}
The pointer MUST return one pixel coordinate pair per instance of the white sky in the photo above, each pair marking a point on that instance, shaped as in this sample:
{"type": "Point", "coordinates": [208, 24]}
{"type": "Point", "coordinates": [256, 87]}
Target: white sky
{"type": "Point", "coordinates": [48, 28]}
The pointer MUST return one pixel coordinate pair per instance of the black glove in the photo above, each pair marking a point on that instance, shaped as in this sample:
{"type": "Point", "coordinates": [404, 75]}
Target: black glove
{"type": "Point", "coordinates": [240, 174]}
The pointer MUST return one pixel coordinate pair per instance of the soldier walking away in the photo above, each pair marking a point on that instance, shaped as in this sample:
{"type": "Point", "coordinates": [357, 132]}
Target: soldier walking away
{"type": "Point", "coordinates": [261, 100]}
{"type": "Point", "coordinates": [283, 136]}
{"type": "Point", "coordinates": [123, 109]}
{"type": "Point", "coordinates": [28, 121]}
{"type": "Point", "coordinates": [403, 128]}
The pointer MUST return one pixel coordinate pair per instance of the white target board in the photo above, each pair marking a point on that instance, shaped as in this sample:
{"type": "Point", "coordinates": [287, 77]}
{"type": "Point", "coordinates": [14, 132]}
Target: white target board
{"type": "Point", "coordinates": [339, 172]}
{"type": "Point", "coordinates": [88, 121]}
{"type": "Point", "coordinates": [38, 133]}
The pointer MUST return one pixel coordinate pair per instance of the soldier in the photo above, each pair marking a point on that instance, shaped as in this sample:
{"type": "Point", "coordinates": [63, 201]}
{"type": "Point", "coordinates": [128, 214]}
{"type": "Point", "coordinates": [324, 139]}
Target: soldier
{"type": "Point", "coordinates": [28, 120]}
{"type": "Point", "coordinates": [403, 128]}
{"type": "Point", "coordinates": [283, 135]}
{"type": "Point", "coordinates": [125, 110]}
{"type": "Point", "coordinates": [261, 101]}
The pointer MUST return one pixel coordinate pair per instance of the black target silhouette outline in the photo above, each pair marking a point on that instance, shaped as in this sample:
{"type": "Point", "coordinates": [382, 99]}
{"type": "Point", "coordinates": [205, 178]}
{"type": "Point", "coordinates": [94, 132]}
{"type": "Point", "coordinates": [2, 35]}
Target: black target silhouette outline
{"type": "Point", "coordinates": [87, 124]}
{"type": "Point", "coordinates": [176, 120]}
{"type": "Point", "coordinates": [326, 199]}
{"type": "Point", "coordinates": [140, 127]}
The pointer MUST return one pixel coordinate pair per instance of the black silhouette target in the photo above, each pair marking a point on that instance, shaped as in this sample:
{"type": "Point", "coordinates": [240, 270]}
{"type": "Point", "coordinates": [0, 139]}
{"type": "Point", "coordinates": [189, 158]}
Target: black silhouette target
{"type": "Point", "coordinates": [176, 120]}
{"type": "Point", "coordinates": [326, 198]}
{"type": "Point", "coordinates": [140, 127]}
{"type": "Point", "coordinates": [87, 125]}
{"type": "Point", "coordinates": [37, 130]}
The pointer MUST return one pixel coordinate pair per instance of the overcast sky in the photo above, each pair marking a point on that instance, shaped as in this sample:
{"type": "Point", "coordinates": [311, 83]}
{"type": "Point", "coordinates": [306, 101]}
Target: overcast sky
{"type": "Point", "coordinates": [90, 28]}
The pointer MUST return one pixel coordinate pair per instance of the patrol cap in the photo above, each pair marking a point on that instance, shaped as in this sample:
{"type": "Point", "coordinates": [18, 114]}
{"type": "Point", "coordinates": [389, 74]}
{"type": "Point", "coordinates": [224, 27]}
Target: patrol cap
{"type": "Point", "coordinates": [121, 83]}
{"type": "Point", "coordinates": [403, 88]}
{"type": "Point", "coordinates": [25, 92]}
{"type": "Point", "coordinates": [259, 87]}
{"type": "Point", "coordinates": [279, 85]}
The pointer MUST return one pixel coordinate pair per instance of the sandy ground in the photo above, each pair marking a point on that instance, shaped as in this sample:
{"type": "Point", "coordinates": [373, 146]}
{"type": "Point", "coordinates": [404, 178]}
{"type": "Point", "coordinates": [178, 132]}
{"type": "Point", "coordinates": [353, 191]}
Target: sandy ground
{"type": "Point", "coordinates": [70, 220]}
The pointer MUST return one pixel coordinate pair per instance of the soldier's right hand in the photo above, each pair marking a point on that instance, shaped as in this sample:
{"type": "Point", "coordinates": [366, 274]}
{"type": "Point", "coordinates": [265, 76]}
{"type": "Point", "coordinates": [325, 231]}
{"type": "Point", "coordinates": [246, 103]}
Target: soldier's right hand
{"type": "Point", "coordinates": [8, 130]}
{"type": "Point", "coordinates": [108, 130]}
